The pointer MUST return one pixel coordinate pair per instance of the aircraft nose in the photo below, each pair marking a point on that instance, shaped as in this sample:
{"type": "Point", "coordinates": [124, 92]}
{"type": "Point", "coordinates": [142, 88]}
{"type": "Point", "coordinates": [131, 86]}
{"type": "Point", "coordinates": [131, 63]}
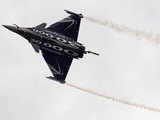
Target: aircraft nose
{"type": "Point", "coordinates": [11, 28]}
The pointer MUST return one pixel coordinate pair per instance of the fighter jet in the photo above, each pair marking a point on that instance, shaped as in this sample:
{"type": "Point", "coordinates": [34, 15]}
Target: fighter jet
{"type": "Point", "coordinates": [57, 43]}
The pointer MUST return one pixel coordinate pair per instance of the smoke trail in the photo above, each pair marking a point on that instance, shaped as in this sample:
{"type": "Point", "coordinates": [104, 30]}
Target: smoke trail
{"type": "Point", "coordinates": [142, 106]}
{"type": "Point", "coordinates": [130, 31]}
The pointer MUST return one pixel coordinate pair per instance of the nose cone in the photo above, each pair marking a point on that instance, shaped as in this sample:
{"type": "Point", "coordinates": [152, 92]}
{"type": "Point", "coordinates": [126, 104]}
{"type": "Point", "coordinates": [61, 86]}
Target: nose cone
{"type": "Point", "coordinates": [11, 28]}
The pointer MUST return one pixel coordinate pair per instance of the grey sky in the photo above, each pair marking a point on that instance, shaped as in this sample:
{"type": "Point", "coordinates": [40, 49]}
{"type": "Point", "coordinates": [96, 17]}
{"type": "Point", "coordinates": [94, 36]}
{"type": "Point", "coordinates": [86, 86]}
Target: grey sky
{"type": "Point", "coordinates": [126, 68]}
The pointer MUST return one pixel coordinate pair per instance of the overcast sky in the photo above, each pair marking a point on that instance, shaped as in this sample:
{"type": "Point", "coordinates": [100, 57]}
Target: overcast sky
{"type": "Point", "coordinates": [126, 68]}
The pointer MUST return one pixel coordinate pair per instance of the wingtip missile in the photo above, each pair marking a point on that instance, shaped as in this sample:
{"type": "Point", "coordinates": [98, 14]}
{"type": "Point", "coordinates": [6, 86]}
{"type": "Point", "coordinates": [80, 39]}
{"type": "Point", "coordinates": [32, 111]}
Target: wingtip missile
{"type": "Point", "coordinates": [54, 79]}
{"type": "Point", "coordinates": [72, 13]}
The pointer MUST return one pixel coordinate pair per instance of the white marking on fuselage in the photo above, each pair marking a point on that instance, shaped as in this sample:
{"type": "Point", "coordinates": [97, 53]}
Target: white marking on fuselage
{"type": "Point", "coordinates": [55, 47]}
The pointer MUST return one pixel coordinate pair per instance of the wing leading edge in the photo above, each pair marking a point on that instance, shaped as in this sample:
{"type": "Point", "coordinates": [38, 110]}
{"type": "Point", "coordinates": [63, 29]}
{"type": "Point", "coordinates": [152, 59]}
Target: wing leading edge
{"type": "Point", "coordinates": [59, 65]}
{"type": "Point", "coordinates": [68, 26]}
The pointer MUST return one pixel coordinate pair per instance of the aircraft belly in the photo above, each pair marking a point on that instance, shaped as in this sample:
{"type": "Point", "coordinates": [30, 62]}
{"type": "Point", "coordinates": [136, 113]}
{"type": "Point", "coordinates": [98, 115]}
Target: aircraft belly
{"type": "Point", "coordinates": [59, 49]}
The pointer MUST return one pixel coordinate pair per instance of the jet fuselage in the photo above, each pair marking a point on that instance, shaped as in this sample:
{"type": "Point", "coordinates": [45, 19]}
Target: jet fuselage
{"type": "Point", "coordinates": [57, 43]}
{"type": "Point", "coordinates": [51, 41]}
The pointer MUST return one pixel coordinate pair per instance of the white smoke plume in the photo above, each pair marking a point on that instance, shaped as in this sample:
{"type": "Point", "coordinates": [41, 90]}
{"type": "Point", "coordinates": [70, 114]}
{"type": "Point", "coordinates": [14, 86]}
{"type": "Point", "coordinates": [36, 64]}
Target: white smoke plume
{"type": "Point", "coordinates": [125, 29]}
{"type": "Point", "coordinates": [117, 100]}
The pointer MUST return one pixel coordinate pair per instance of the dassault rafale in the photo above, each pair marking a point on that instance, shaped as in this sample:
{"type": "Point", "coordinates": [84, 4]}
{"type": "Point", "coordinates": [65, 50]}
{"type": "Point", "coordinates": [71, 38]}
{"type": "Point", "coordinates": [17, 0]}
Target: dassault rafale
{"type": "Point", "coordinates": [57, 43]}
